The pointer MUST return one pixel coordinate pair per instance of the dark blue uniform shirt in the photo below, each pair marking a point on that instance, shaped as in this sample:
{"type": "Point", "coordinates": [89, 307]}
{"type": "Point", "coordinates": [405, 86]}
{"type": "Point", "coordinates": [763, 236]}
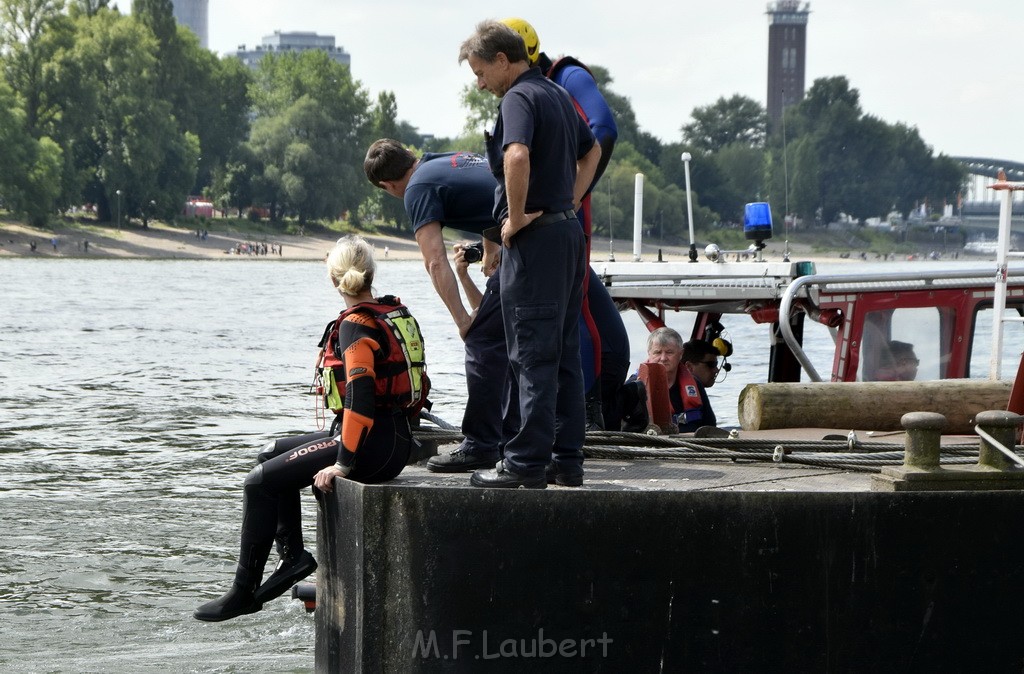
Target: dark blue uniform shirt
{"type": "Point", "coordinates": [553, 153]}
{"type": "Point", "coordinates": [455, 189]}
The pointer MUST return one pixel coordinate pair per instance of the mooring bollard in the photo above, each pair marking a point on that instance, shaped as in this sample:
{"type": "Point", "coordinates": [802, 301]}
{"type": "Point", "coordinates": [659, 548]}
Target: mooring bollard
{"type": "Point", "coordinates": [924, 433]}
{"type": "Point", "coordinates": [1002, 426]}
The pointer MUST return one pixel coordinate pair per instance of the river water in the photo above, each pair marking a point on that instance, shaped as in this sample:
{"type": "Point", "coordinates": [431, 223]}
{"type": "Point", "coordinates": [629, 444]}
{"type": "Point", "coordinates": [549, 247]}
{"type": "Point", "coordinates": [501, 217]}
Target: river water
{"type": "Point", "coordinates": [134, 396]}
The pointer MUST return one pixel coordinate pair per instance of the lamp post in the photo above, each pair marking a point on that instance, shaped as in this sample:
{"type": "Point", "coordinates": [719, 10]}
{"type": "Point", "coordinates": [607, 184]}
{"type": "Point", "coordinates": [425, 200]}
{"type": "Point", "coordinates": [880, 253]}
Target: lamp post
{"type": "Point", "coordinates": [689, 206]}
{"type": "Point", "coordinates": [118, 193]}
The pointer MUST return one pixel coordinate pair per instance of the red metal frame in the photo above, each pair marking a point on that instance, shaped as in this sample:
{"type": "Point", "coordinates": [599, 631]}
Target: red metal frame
{"type": "Point", "coordinates": [957, 309]}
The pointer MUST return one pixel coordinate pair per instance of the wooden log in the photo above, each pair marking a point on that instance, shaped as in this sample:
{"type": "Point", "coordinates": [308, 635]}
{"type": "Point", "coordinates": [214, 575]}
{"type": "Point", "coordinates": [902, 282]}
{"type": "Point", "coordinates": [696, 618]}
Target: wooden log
{"type": "Point", "coordinates": [876, 406]}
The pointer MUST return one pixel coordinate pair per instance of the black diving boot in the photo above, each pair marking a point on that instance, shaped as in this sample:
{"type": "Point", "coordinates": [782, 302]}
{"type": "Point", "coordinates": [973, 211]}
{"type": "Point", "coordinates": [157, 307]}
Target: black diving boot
{"type": "Point", "coordinates": [239, 600]}
{"type": "Point", "coordinates": [288, 572]}
{"type": "Point", "coordinates": [259, 515]}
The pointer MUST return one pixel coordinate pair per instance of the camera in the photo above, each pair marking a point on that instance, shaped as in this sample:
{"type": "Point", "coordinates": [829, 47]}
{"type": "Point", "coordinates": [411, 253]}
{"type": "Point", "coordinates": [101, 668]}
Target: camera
{"type": "Point", "coordinates": [474, 252]}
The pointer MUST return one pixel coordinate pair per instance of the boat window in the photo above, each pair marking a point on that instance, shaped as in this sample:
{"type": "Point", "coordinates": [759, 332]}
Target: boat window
{"type": "Point", "coordinates": [902, 345]}
{"type": "Point", "coordinates": [981, 347]}
{"type": "Point", "coordinates": [819, 346]}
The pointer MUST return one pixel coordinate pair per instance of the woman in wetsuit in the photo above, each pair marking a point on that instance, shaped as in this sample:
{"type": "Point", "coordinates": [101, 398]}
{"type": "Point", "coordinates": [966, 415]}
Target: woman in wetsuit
{"type": "Point", "coordinates": [369, 441]}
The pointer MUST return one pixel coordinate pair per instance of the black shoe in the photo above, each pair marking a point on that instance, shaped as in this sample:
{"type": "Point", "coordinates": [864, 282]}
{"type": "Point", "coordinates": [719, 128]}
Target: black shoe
{"type": "Point", "coordinates": [460, 461]}
{"type": "Point", "coordinates": [595, 415]}
{"type": "Point", "coordinates": [501, 477]}
{"type": "Point", "coordinates": [552, 476]}
{"type": "Point", "coordinates": [235, 602]}
{"type": "Point", "coordinates": [287, 573]}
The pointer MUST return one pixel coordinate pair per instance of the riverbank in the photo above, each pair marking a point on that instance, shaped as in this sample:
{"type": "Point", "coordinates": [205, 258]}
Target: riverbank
{"type": "Point", "coordinates": [162, 241]}
{"type": "Point", "coordinates": [226, 239]}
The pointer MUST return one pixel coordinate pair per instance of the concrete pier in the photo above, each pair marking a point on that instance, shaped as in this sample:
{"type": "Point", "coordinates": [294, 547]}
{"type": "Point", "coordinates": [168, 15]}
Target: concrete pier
{"type": "Point", "coordinates": [669, 566]}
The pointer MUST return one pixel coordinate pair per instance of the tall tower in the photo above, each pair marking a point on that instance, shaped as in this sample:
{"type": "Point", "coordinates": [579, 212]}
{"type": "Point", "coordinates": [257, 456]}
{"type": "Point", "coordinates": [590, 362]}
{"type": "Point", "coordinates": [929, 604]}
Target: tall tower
{"type": "Point", "coordinates": [194, 14]}
{"type": "Point", "coordinates": [787, 56]}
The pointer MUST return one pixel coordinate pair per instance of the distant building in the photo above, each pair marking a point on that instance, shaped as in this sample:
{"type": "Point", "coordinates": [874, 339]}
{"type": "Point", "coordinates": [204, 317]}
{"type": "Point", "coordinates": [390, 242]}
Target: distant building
{"type": "Point", "coordinates": [195, 15]}
{"type": "Point", "coordinates": [787, 56]}
{"type": "Point", "coordinates": [292, 42]}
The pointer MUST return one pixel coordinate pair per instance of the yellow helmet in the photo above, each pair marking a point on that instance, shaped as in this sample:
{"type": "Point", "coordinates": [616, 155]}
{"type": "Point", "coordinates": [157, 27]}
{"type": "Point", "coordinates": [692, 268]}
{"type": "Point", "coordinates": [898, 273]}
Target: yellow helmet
{"type": "Point", "coordinates": [529, 36]}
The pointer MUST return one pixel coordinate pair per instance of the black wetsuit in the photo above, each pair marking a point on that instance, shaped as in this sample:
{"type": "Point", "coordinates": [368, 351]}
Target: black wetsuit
{"type": "Point", "coordinates": [272, 506]}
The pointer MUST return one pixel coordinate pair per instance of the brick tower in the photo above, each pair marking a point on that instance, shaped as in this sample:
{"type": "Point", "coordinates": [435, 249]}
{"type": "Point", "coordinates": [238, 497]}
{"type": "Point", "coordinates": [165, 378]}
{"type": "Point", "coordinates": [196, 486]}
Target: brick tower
{"type": "Point", "coordinates": [787, 56]}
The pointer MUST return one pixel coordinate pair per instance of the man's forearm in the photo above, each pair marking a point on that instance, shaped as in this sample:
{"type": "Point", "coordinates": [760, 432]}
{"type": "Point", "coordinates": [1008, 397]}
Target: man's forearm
{"type": "Point", "coordinates": [517, 181]}
{"type": "Point", "coordinates": [473, 294]}
{"type": "Point", "coordinates": [435, 259]}
{"type": "Point", "coordinates": [447, 288]}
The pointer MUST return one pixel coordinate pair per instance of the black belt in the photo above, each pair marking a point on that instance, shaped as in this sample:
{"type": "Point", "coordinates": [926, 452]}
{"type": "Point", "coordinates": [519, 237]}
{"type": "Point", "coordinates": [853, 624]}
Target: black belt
{"type": "Point", "coordinates": [552, 218]}
{"type": "Point", "coordinates": [494, 233]}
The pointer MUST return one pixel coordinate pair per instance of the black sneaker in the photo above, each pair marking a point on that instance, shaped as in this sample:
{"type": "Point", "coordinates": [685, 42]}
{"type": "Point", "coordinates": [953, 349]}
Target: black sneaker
{"type": "Point", "coordinates": [460, 461]}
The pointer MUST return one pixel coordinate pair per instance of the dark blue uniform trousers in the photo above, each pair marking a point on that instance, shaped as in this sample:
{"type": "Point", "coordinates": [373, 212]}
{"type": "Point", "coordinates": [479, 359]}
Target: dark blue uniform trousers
{"type": "Point", "coordinates": [486, 373]}
{"type": "Point", "coordinates": [541, 295]}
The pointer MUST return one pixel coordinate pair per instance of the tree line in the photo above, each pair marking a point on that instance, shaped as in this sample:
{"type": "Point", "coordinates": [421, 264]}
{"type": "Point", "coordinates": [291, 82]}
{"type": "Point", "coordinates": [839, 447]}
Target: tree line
{"type": "Point", "coordinates": [130, 114]}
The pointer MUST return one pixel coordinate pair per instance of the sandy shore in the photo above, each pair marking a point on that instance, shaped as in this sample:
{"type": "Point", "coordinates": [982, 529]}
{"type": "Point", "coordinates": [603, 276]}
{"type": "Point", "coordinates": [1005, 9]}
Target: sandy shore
{"type": "Point", "coordinates": [160, 241]}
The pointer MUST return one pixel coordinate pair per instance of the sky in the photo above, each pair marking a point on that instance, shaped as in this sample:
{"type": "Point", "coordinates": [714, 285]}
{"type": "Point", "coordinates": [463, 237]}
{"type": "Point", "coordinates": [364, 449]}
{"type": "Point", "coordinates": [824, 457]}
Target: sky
{"type": "Point", "coordinates": [946, 67]}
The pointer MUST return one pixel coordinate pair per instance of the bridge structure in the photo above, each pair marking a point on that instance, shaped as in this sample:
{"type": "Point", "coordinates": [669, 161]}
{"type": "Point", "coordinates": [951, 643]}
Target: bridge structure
{"type": "Point", "coordinates": [979, 199]}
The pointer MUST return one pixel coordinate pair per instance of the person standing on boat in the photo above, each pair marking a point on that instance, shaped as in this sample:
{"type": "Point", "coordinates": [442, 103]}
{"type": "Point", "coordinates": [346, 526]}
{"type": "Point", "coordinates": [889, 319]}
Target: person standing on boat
{"type": "Point", "coordinates": [544, 157]}
{"type": "Point", "coordinates": [370, 440]}
{"type": "Point", "coordinates": [690, 369]}
{"type": "Point", "coordinates": [604, 365]}
{"type": "Point", "coordinates": [455, 190]}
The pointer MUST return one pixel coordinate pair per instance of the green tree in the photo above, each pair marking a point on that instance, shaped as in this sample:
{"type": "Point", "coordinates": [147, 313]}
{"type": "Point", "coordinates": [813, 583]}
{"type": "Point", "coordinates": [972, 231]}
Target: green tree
{"type": "Point", "coordinates": [385, 125]}
{"type": "Point", "coordinates": [385, 116]}
{"type": "Point", "coordinates": [217, 108]}
{"type": "Point", "coordinates": [233, 183]}
{"type": "Point", "coordinates": [737, 120]}
{"type": "Point", "coordinates": [89, 7]}
{"type": "Point", "coordinates": [134, 142]}
{"type": "Point", "coordinates": [208, 95]}
{"type": "Point", "coordinates": [743, 166]}
{"type": "Point", "coordinates": [310, 135]}
{"type": "Point", "coordinates": [22, 26]}
{"type": "Point", "coordinates": [625, 118]}
{"type": "Point", "coordinates": [839, 160]}
{"type": "Point", "coordinates": [481, 110]}
{"type": "Point", "coordinates": [29, 172]}
{"type": "Point", "coordinates": [158, 17]}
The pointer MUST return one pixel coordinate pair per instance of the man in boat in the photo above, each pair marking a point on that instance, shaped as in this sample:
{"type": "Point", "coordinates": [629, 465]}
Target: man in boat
{"type": "Point", "coordinates": [604, 366]}
{"type": "Point", "coordinates": [899, 363]}
{"type": "Point", "coordinates": [690, 369]}
{"type": "Point", "coordinates": [544, 157]}
{"type": "Point", "coordinates": [455, 189]}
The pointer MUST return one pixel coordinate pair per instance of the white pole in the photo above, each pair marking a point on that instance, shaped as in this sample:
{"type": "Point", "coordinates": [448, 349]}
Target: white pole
{"type": "Point", "coordinates": [689, 206]}
{"type": "Point", "coordinates": [999, 302]}
{"type": "Point", "coordinates": [638, 215]}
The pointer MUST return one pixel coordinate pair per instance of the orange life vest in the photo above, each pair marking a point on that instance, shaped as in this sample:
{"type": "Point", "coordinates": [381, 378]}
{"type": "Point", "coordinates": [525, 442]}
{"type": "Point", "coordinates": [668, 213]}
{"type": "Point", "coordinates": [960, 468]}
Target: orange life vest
{"type": "Point", "coordinates": [689, 391]}
{"type": "Point", "coordinates": [399, 365]}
